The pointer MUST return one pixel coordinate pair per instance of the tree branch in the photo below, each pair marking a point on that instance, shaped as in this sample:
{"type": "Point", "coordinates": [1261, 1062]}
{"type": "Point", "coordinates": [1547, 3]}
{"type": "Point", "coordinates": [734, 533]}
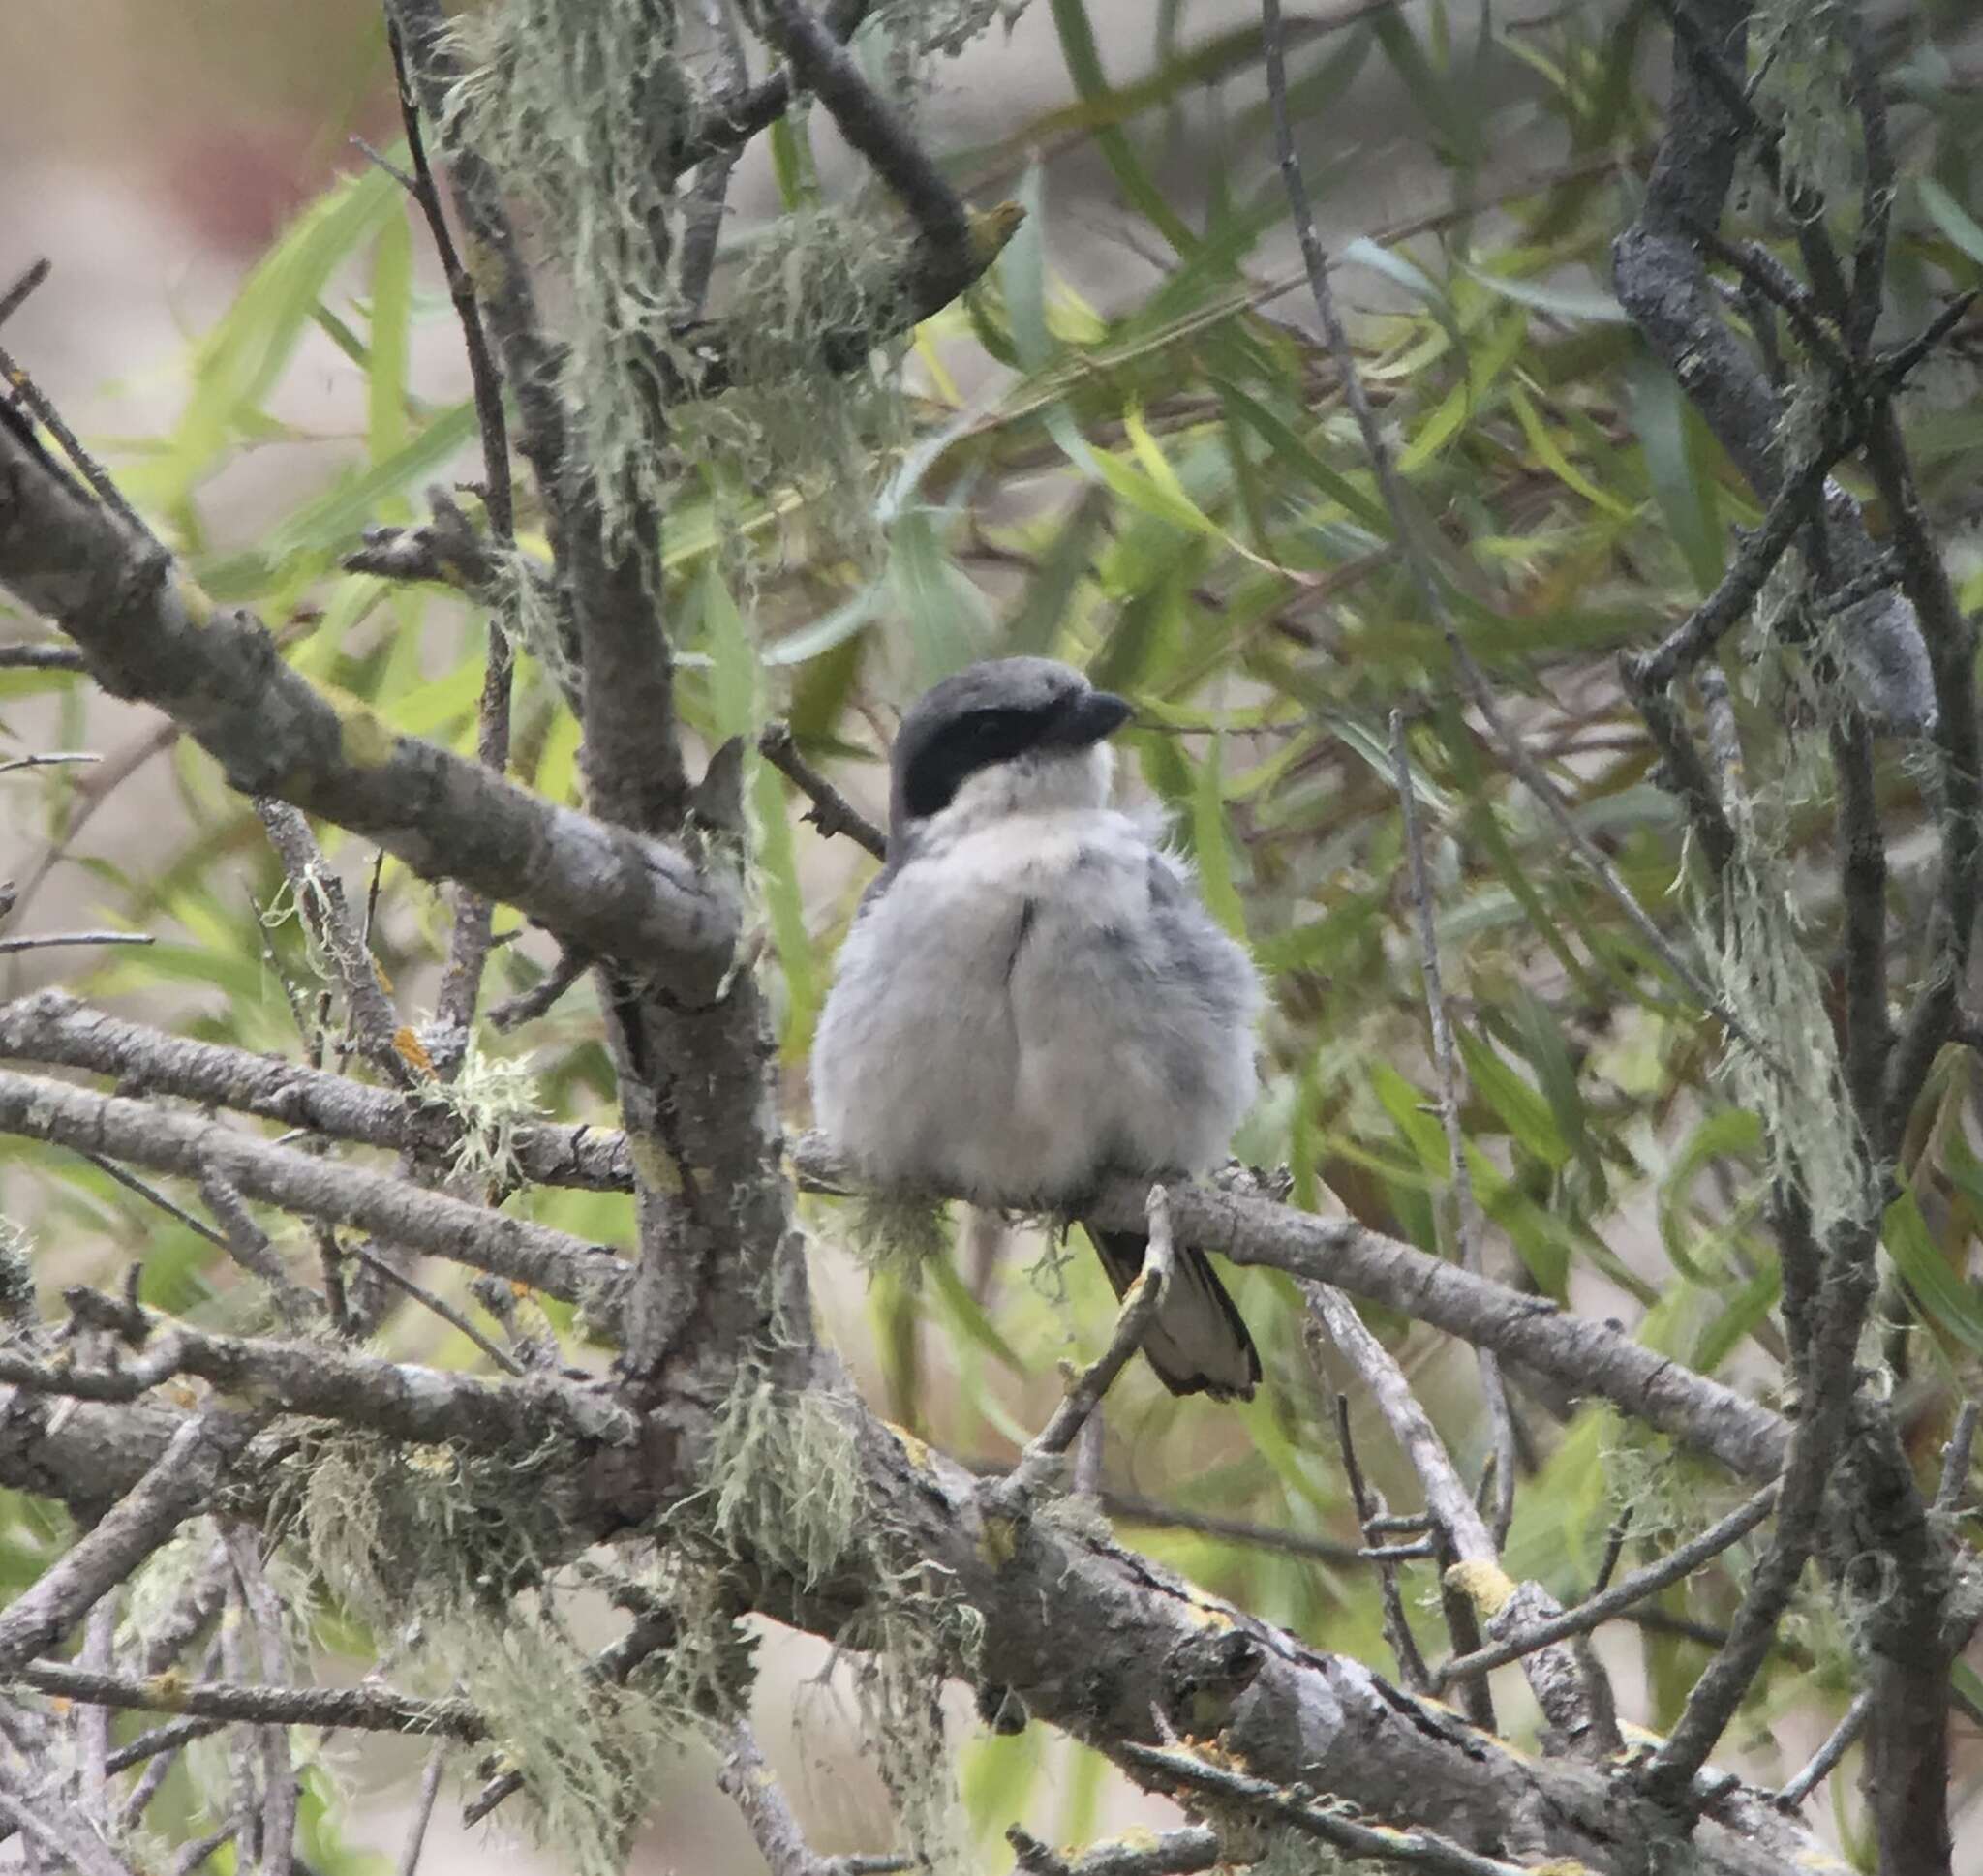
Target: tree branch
{"type": "Point", "coordinates": [831, 812]}
{"type": "Point", "coordinates": [151, 635]}
{"type": "Point", "coordinates": [369, 1710]}
{"type": "Point", "coordinates": [1589, 1357]}
{"type": "Point", "coordinates": [1141, 1302]}
{"type": "Point", "coordinates": [547, 1260]}
{"type": "Point", "coordinates": [429, 1406]}
{"type": "Point", "coordinates": [170, 1491]}
{"type": "Point", "coordinates": [1452, 1095]}
{"type": "Point", "coordinates": [50, 1026]}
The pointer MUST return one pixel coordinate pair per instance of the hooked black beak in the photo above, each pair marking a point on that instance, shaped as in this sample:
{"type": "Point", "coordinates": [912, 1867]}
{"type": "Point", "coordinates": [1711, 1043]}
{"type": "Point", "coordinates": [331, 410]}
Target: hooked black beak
{"type": "Point", "coordinates": [1087, 719]}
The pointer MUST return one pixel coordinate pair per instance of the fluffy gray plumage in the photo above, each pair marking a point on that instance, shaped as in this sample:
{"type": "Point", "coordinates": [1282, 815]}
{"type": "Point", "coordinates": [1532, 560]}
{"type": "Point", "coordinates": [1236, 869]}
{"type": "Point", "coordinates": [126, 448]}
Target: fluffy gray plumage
{"type": "Point", "coordinates": [1032, 995]}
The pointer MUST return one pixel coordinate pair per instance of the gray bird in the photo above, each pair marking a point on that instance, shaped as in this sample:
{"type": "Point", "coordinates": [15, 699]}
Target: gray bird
{"type": "Point", "coordinates": [1032, 995]}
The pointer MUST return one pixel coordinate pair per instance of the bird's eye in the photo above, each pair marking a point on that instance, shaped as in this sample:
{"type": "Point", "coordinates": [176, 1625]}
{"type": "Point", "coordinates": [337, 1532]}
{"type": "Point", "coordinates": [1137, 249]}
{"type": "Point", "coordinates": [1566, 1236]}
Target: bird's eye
{"type": "Point", "coordinates": [991, 725]}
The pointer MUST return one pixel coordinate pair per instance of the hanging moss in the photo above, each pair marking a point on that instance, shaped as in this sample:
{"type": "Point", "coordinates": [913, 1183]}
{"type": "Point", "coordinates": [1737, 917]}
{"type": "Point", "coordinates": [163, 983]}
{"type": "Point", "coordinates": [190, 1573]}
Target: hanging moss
{"type": "Point", "coordinates": [444, 1553]}
{"type": "Point", "coordinates": [895, 1231]}
{"type": "Point", "coordinates": [1803, 86]}
{"type": "Point", "coordinates": [577, 109]}
{"type": "Point", "coordinates": [17, 1278]}
{"type": "Point", "coordinates": [784, 1478]}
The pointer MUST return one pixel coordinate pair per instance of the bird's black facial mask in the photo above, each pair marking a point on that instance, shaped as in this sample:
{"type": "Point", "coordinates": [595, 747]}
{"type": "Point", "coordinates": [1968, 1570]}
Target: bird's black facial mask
{"type": "Point", "coordinates": [933, 773]}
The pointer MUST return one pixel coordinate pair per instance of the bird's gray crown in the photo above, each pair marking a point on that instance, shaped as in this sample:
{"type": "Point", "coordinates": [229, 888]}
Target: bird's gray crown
{"type": "Point", "coordinates": [996, 711]}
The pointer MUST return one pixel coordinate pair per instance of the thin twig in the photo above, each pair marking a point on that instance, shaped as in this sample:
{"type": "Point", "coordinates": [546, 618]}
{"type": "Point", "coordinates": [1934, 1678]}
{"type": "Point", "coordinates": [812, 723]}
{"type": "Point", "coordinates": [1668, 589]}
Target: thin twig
{"type": "Point", "coordinates": [1407, 1849]}
{"type": "Point", "coordinates": [423, 1812]}
{"type": "Point", "coordinates": [1138, 1853]}
{"type": "Point", "coordinates": [1894, 366]}
{"type": "Point", "coordinates": [16, 296]}
{"type": "Point", "coordinates": [704, 220]}
{"type": "Point", "coordinates": [1600, 1608]}
{"type": "Point", "coordinates": [275, 1826]}
{"type": "Point", "coordinates": [468, 951]}
{"type": "Point", "coordinates": [92, 1723]}
{"type": "Point", "coordinates": [248, 1244]}
{"type": "Point", "coordinates": [49, 941]}
{"type": "Point", "coordinates": [367, 1708]}
{"type": "Point", "coordinates": [825, 66]}
{"type": "Point", "coordinates": [1837, 1743]}
{"type": "Point", "coordinates": [165, 1738]}
{"type": "Point", "coordinates": [1141, 1302]}
{"type": "Point", "coordinates": [1955, 1458]}
{"type": "Point", "coordinates": [40, 658]}
{"type": "Point", "coordinates": [750, 1786]}
{"type": "Point", "coordinates": [439, 1305]}
{"type": "Point", "coordinates": [1614, 1549]}
{"type": "Point", "coordinates": [1797, 503]}
{"type": "Point", "coordinates": [131, 1182]}
{"type": "Point", "coordinates": [527, 1006]}
{"type": "Point", "coordinates": [319, 897]}
{"type": "Point", "coordinates": [51, 759]}
{"type": "Point", "coordinates": [831, 812]}
{"type": "Point", "coordinates": [36, 401]}
{"type": "Point", "coordinates": [1397, 1631]}
{"type": "Point", "coordinates": [190, 1855]}
{"type": "Point", "coordinates": [1451, 1097]}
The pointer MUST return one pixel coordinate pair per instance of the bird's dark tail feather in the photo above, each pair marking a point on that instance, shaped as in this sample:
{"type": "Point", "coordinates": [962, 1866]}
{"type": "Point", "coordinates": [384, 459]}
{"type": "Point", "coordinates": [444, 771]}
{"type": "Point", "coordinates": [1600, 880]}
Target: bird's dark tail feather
{"type": "Point", "coordinates": [1199, 1343]}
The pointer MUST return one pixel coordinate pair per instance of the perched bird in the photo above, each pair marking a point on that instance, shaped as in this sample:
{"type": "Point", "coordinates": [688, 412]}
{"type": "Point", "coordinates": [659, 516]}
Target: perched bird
{"type": "Point", "coordinates": [1032, 995]}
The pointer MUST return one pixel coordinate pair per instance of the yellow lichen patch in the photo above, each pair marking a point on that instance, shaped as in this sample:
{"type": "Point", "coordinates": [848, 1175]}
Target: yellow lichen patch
{"type": "Point", "coordinates": [409, 1050]}
{"type": "Point", "coordinates": [167, 1691]}
{"type": "Point", "coordinates": [991, 229]}
{"type": "Point", "coordinates": [195, 601]}
{"type": "Point", "coordinates": [915, 1450]}
{"type": "Point", "coordinates": [1206, 1613]}
{"type": "Point", "coordinates": [998, 1540]}
{"type": "Point", "coordinates": [657, 1170]}
{"type": "Point", "coordinates": [365, 740]}
{"type": "Point", "coordinates": [1486, 1586]}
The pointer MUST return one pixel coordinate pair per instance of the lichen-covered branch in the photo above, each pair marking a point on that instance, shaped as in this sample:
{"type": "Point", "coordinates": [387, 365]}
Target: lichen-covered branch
{"type": "Point", "coordinates": [171, 1490]}
{"type": "Point", "coordinates": [152, 636]}
{"type": "Point", "coordinates": [50, 1026]}
{"type": "Point", "coordinates": [547, 1260]}
{"type": "Point", "coordinates": [370, 1710]}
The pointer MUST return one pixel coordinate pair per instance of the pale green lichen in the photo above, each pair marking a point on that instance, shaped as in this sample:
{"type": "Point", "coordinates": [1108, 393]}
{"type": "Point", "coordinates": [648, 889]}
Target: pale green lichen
{"type": "Point", "coordinates": [1805, 88]}
{"type": "Point", "coordinates": [792, 441]}
{"type": "Point", "coordinates": [1287, 1852]}
{"type": "Point", "coordinates": [1750, 927]}
{"type": "Point", "coordinates": [895, 1231]}
{"type": "Point", "coordinates": [523, 606]}
{"type": "Point", "coordinates": [307, 902]}
{"type": "Point", "coordinates": [443, 1555]}
{"type": "Point", "coordinates": [783, 1488]}
{"type": "Point", "coordinates": [490, 1098]}
{"type": "Point", "coordinates": [578, 110]}
{"type": "Point", "coordinates": [17, 1278]}
{"type": "Point", "coordinates": [784, 1477]}
{"type": "Point", "coordinates": [365, 740]}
